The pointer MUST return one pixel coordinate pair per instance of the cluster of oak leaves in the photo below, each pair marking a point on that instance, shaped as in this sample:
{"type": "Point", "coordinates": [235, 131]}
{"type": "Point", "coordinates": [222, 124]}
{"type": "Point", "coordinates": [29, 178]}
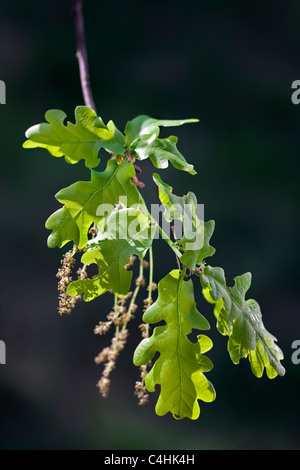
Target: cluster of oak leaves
{"type": "Point", "coordinates": [182, 364]}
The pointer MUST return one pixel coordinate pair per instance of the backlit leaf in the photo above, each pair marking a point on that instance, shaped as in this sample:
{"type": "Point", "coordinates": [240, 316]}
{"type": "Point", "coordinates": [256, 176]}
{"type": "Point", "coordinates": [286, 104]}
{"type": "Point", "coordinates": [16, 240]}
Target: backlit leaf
{"type": "Point", "coordinates": [144, 127]}
{"type": "Point", "coordinates": [180, 368]}
{"type": "Point", "coordinates": [142, 138]}
{"type": "Point", "coordinates": [196, 232]}
{"type": "Point", "coordinates": [241, 320]}
{"type": "Point", "coordinates": [79, 141]}
{"type": "Point", "coordinates": [84, 202]}
{"type": "Point", "coordinates": [111, 253]}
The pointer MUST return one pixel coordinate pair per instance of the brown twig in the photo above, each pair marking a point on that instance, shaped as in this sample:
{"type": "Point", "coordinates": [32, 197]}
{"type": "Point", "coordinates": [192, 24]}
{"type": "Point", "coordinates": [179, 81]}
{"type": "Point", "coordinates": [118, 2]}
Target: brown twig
{"type": "Point", "coordinates": [82, 54]}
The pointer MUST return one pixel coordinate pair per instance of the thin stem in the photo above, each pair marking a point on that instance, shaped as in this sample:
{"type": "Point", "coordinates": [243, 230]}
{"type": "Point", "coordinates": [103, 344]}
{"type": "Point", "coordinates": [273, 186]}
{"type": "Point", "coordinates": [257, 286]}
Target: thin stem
{"type": "Point", "coordinates": [161, 231]}
{"type": "Point", "coordinates": [150, 275]}
{"type": "Point", "coordinates": [150, 288]}
{"type": "Point", "coordinates": [137, 288]}
{"type": "Point", "coordinates": [183, 273]}
{"type": "Point", "coordinates": [169, 241]}
{"type": "Point", "coordinates": [82, 54]}
{"type": "Point", "coordinates": [115, 303]}
{"type": "Point", "coordinates": [116, 310]}
{"type": "Point", "coordinates": [140, 388]}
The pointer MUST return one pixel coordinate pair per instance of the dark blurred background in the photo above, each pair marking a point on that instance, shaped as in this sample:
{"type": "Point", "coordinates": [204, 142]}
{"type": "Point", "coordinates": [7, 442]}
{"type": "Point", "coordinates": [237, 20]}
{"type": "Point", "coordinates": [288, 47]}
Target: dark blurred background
{"type": "Point", "coordinates": [230, 64]}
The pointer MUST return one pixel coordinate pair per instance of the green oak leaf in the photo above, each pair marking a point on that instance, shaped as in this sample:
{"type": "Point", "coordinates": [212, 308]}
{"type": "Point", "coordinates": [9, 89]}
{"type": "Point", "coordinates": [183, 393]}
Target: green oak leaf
{"type": "Point", "coordinates": [82, 201]}
{"type": "Point", "coordinates": [161, 152]}
{"type": "Point", "coordinates": [79, 141]}
{"type": "Point", "coordinates": [129, 232]}
{"type": "Point", "coordinates": [241, 320]}
{"type": "Point", "coordinates": [180, 368]}
{"type": "Point", "coordinates": [197, 233]}
{"type": "Point", "coordinates": [174, 205]}
{"type": "Point", "coordinates": [144, 126]}
{"type": "Point", "coordinates": [191, 258]}
{"type": "Point", "coordinates": [142, 138]}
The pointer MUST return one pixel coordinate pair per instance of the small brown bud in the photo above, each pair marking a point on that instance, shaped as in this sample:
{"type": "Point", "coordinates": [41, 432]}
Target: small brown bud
{"type": "Point", "coordinates": [140, 281]}
{"type": "Point", "coordinates": [133, 308]}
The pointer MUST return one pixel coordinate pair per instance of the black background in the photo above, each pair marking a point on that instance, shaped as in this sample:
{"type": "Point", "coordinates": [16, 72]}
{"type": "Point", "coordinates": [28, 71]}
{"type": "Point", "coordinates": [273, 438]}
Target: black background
{"type": "Point", "coordinates": [230, 64]}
